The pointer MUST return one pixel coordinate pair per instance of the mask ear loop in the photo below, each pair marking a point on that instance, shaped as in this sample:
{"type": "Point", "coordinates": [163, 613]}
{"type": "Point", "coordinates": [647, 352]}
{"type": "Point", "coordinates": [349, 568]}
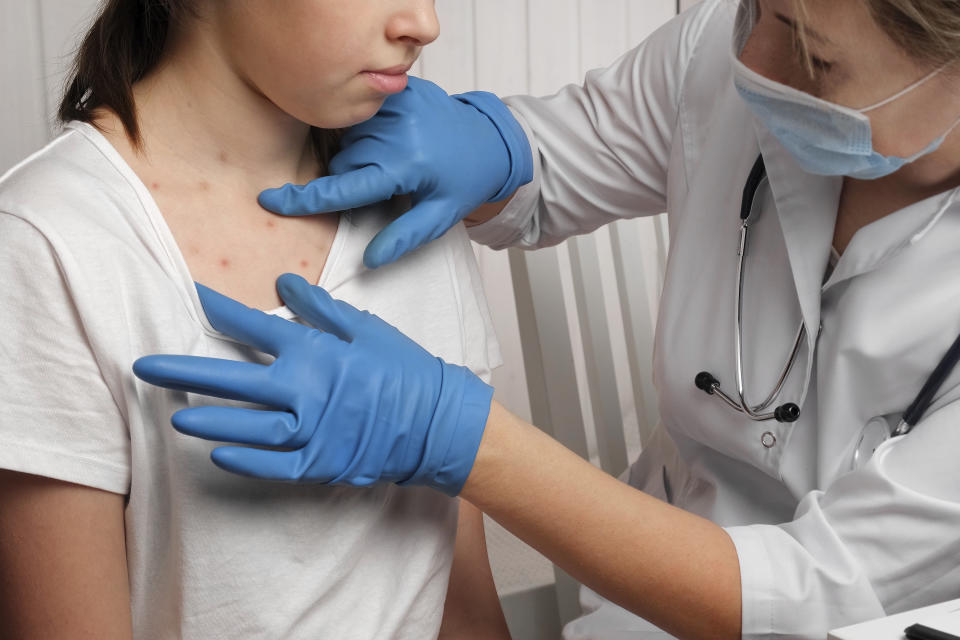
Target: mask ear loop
{"type": "Point", "coordinates": [904, 92]}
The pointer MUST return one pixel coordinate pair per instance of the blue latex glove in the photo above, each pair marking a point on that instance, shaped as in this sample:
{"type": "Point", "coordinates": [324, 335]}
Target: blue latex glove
{"type": "Point", "coordinates": [356, 401]}
{"type": "Point", "coordinates": [451, 153]}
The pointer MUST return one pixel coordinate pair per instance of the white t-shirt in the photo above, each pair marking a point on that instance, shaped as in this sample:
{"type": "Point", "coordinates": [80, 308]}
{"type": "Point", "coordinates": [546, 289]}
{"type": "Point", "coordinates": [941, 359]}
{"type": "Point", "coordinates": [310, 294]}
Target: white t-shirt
{"type": "Point", "coordinates": [92, 279]}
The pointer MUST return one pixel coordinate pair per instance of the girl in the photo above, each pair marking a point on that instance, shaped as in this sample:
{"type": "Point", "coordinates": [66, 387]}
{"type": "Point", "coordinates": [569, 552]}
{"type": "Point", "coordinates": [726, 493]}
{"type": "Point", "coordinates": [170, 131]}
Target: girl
{"type": "Point", "coordinates": [178, 112]}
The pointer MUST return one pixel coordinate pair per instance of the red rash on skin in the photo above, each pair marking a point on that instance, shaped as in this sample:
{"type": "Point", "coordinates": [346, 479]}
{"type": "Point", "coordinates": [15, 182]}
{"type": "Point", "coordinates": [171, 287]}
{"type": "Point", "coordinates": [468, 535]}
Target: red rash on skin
{"type": "Point", "coordinates": [304, 264]}
{"type": "Point", "coordinates": [271, 224]}
{"type": "Point", "coordinates": [224, 262]}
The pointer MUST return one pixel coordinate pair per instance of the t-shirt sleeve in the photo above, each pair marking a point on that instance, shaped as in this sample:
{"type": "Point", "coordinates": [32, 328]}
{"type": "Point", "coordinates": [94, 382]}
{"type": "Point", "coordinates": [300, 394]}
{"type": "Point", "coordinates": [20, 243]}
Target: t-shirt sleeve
{"type": "Point", "coordinates": [59, 418]}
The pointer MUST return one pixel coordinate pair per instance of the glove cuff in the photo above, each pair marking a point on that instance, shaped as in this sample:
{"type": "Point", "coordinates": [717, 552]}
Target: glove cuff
{"type": "Point", "coordinates": [454, 434]}
{"type": "Point", "coordinates": [518, 147]}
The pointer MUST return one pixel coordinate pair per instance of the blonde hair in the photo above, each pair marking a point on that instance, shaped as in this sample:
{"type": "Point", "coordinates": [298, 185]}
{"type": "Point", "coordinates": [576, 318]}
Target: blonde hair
{"type": "Point", "coordinates": [927, 30]}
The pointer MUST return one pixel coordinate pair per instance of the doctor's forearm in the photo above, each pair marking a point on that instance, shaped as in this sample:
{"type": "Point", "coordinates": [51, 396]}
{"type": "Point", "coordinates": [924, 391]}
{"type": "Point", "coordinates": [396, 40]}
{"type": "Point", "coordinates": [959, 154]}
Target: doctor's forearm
{"type": "Point", "coordinates": [675, 569]}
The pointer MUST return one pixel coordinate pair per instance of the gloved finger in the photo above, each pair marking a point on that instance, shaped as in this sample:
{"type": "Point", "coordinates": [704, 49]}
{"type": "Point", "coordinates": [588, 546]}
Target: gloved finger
{"type": "Point", "coordinates": [262, 331]}
{"type": "Point", "coordinates": [242, 426]}
{"type": "Point", "coordinates": [319, 308]}
{"type": "Point", "coordinates": [228, 379]}
{"type": "Point", "coordinates": [425, 222]}
{"type": "Point", "coordinates": [350, 190]}
{"type": "Point", "coordinates": [286, 466]}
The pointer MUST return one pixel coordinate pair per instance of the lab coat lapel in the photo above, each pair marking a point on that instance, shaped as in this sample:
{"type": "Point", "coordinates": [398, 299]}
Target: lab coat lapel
{"type": "Point", "coordinates": [806, 206]}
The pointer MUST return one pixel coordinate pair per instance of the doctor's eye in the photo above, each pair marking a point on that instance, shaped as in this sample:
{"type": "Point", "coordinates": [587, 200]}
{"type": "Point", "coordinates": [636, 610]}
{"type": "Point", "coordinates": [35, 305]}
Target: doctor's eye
{"type": "Point", "coordinates": [819, 65]}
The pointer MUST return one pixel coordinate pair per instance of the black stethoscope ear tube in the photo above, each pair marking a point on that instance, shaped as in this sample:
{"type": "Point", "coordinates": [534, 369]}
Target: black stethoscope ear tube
{"type": "Point", "coordinates": [757, 174]}
{"type": "Point", "coordinates": [924, 399]}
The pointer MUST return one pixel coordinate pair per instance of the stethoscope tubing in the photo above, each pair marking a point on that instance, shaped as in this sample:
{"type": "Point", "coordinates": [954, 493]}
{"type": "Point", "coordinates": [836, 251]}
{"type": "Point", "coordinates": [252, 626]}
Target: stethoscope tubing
{"type": "Point", "coordinates": [790, 412]}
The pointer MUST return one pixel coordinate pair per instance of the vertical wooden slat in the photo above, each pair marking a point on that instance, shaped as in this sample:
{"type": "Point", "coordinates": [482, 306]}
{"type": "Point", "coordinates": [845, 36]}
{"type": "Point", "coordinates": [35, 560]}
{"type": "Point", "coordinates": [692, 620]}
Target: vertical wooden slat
{"type": "Point", "coordinates": [600, 369]}
{"type": "Point", "coordinates": [636, 302]}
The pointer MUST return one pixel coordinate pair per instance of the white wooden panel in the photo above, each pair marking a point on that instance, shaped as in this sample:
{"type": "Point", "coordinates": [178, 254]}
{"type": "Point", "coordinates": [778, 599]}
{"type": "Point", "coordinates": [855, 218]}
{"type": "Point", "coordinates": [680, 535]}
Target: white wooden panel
{"type": "Point", "coordinates": [554, 38]}
{"type": "Point", "coordinates": [450, 61]}
{"type": "Point", "coordinates": [24, 127]}
{"type": "Point", "coordinates": [603, 32]}
{"type": "Point", "coordinates": [645, 16]}
{"type": "Point", "coordinates": [502, 55]}
{"type": "Point", "coordinates": [63, 22]}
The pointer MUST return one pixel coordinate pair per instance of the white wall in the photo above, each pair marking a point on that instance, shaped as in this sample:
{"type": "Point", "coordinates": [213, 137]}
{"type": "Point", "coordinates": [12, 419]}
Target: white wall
{"type": "Point", "coordinates": [504, 46]}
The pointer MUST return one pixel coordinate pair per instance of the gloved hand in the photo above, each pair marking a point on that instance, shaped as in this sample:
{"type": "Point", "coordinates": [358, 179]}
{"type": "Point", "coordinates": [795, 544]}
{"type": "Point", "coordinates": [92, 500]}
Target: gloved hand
{"type": "Point", "coordinates": [451, 153]}
{"type": "Point", "coordinates": [355, 401]}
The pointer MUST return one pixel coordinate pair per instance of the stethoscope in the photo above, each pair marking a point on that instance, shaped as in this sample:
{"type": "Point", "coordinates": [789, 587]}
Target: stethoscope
{"type": "Point", "coordinates": [877, 430]}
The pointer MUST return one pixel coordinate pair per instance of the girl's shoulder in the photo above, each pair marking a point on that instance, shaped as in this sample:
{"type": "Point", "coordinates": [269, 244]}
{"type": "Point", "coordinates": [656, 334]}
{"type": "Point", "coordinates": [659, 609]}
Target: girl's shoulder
{"type": "Point", "coordinates": [76, 182]}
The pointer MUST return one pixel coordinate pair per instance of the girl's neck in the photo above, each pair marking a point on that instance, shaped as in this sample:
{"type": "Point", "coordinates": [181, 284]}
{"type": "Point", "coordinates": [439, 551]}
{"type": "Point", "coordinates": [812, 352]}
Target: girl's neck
{"type": "Point", "coordinates": [196, 112]}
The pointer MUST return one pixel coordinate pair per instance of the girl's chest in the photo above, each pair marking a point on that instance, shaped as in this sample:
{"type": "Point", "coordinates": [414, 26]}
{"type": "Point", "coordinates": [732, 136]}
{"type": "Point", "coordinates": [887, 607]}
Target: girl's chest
{"type": "Point", "coordinates": [234, 246]}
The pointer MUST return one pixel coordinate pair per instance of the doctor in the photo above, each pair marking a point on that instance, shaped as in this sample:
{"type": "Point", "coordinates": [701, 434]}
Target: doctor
{"type": "Point", "coordinates": [771, 502]}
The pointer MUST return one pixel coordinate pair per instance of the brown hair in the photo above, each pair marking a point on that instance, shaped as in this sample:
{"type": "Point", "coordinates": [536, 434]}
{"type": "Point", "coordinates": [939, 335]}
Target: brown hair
{"type": "Point", "coordinates": [927, 30]}
{"type": "Point", "coordinates": [125, 43]}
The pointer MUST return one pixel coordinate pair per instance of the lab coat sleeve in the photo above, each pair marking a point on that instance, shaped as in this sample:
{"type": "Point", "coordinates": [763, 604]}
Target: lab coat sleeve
{"type": "Point", "coordinates": [602, 151]}
{"type": "Point", "coordinates": [878, 541]}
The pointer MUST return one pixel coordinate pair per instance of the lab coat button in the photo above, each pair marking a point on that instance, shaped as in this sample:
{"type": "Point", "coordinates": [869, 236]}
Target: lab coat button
{"type": "Point", "coordinates": [768, 440]}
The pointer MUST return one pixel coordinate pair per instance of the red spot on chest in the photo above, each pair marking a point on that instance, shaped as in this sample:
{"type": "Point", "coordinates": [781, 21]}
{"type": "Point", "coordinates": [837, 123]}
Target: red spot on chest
{"type": "Point", "coordinates": [224, 262]}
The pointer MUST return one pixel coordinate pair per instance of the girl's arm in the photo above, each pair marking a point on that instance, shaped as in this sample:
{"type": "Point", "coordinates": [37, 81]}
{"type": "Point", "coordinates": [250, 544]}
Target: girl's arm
{"type": "Point", "coordinates": [673, 568]}
{"type": "Point", "coordinates": [472, 609]}
{"type": "Point", "coordinates": [63, 567]}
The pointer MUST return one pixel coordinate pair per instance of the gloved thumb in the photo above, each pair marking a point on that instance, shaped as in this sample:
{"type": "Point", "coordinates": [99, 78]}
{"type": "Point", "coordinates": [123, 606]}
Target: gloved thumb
{"type": "Point", "coordinates": [320, 309]}
{"type": "Point", "coordinates": [425, 222]}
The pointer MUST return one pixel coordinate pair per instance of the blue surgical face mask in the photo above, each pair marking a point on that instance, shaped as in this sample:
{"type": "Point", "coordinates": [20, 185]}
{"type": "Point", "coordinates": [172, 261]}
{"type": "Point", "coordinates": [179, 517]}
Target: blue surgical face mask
{"type": "Point", "coordinates": [824, 138]}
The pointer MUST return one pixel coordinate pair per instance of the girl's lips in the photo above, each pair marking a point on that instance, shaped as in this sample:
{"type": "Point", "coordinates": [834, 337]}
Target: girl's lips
{"type": "Point", "coordinates": [388, 82]}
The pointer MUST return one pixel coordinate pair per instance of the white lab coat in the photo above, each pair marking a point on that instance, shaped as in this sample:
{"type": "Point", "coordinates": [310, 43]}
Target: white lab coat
{"type": "Point", "coordinates": [663, 129]}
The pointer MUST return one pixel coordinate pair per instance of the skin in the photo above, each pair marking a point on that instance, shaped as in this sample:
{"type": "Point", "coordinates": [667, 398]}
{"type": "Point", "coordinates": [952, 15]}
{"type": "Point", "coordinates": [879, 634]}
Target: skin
{"type": "Point", "coordinates": [645, 555]}
{"type": "Point", "coordinates": [62, 546]}
{"type": "Point", "coordinates": [858, 66]}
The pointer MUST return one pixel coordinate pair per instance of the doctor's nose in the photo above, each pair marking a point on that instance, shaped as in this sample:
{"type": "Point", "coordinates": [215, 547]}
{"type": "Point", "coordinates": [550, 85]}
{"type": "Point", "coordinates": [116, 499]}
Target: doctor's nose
{"type": "Point", "coordinates": [415, 24]}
